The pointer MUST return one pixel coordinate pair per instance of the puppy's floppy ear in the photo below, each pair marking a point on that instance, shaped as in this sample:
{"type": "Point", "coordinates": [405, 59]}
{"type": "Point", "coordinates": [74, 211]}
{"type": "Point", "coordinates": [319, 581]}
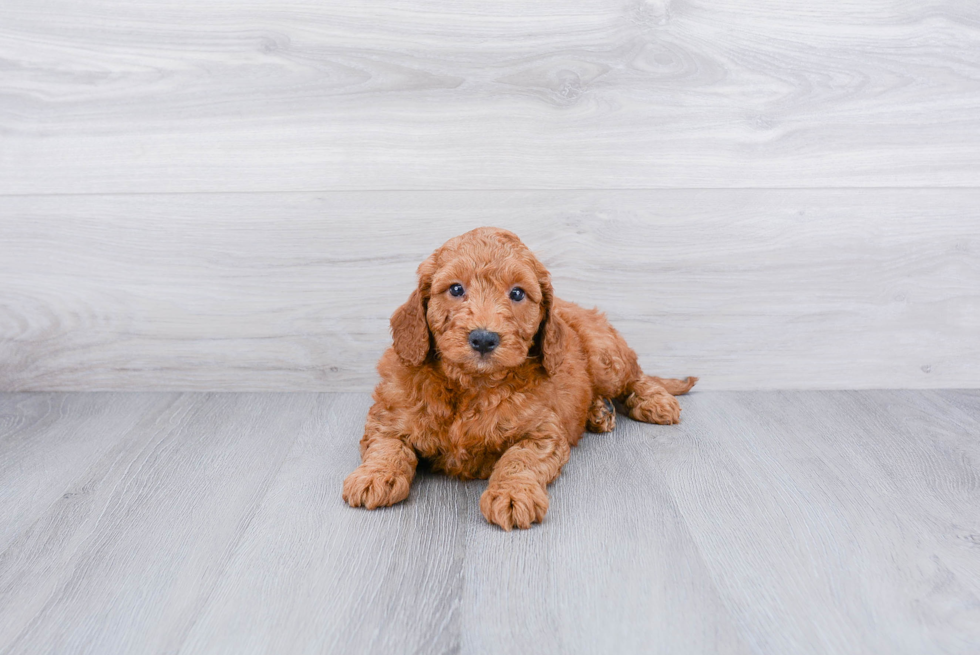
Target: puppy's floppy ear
{"type": "Point", "coordinates": [409, 329]}
{"type": "Point", "coordinates": [551, 333]}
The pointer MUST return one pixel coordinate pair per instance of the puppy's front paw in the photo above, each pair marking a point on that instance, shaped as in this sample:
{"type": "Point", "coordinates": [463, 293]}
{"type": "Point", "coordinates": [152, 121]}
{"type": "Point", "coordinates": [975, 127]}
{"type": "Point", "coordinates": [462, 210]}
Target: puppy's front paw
{"type": "Point", "coordinates": [514, 503]}
{"type": "Point", "coordinates": [660, 408]}
{"type": "Point", "coordinates": [372, 488]}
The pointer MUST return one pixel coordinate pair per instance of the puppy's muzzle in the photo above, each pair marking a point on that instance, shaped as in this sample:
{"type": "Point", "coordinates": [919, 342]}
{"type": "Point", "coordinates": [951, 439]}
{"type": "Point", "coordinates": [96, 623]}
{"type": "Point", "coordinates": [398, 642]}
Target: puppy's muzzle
{"type": "Point", "coordinates": [483, 341]}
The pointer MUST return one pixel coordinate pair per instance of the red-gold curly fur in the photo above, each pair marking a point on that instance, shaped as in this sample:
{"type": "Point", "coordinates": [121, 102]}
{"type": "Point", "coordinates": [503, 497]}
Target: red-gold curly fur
{"type": "Point", "coordinates": [510, 415]}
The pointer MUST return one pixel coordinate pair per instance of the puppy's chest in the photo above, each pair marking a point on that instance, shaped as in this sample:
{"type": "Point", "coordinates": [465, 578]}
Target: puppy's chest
{"type": "Point", "coordinates": [466, 437]}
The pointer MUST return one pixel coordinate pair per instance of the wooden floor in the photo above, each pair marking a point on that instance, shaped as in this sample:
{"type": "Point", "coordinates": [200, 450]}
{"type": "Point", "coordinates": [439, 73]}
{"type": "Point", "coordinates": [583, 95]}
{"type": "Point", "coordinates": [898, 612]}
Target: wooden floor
{"type": "Point", "coordinates": [767, 522]}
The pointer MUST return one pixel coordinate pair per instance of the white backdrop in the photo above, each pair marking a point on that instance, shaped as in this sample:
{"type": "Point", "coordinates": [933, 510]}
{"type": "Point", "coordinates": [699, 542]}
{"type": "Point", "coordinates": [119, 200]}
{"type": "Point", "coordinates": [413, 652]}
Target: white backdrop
{"type": "Point", "coordinates": [208, 194]}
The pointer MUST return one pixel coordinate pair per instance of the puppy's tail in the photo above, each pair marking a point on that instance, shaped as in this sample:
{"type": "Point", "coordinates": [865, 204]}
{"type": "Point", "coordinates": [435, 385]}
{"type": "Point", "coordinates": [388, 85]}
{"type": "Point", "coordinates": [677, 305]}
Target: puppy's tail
{"type": "Point", "coordinates": [675, 387]}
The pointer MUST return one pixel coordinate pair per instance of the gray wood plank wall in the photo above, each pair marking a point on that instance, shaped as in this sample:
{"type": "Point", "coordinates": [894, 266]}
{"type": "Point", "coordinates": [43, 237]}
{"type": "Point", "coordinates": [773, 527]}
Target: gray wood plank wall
{"type": "Point", "coordinates": [210, 195]}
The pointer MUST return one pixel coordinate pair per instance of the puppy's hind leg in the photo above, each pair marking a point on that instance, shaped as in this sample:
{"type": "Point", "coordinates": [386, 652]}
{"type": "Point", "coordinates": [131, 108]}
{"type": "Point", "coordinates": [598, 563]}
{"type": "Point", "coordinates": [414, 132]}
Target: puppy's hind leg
{"type": "Point", "coordinates": [651, 399]}
{"type": "Point", "coordinates": [602, 416]}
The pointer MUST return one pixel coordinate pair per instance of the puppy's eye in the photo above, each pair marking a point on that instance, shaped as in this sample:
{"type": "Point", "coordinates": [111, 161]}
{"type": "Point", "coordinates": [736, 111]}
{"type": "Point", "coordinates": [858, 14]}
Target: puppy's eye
{"type": "Point", "coordinates": [456, 290]}
{"type": "Point", "coordinates": [517, 294]}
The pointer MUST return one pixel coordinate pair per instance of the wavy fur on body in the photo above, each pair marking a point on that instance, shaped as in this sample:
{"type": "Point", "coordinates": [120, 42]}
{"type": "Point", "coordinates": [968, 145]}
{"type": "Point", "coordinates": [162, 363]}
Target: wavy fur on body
{"type": "Point", "coordinates": [510, 415]}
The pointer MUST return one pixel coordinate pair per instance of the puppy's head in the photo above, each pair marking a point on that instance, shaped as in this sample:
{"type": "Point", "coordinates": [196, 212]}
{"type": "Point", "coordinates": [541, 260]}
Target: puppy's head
{"type": "Point", "coordinates": [483, 303]}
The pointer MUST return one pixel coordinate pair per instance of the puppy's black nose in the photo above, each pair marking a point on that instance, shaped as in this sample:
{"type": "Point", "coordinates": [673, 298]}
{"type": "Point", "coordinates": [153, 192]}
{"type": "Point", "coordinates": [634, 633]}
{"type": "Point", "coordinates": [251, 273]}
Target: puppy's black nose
{"type": "Point", "coordinates": [483, 341]}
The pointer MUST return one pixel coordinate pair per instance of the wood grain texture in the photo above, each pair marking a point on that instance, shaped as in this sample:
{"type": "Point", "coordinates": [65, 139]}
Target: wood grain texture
{"type": "Point", "coordinates": [775, 523]}
{"type": "Point", "coordinates": [613, 568]}
{"type": "Point", "coordinates": [312, 575]}
{"type": "Point", "coordinates": [125, 559]}
{"type": "Point", "coordinates": [45, 451]}
{"type": "Point", "coordinates": [214, 95]}
{"type": "Point", "coordinates": [858, 506]}
{"type": "Point", "coordinates": [745, 288]}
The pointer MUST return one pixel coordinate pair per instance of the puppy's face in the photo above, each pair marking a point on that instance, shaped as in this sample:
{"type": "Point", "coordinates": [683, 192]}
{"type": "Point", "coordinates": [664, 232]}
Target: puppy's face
{"type": "Point", "coordinates": [483, 300]}
{"type": "Point", "coordinates": [484, 310]}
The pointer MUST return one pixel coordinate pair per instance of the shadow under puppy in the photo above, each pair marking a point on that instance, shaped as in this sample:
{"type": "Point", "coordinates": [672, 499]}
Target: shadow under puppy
{"type": "Point", "coordinates": [491, 376]}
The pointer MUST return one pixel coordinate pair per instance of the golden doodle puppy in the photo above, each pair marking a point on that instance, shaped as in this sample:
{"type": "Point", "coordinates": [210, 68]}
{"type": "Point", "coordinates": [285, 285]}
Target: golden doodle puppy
{"type": "Point", "coordinates": [491, 376]}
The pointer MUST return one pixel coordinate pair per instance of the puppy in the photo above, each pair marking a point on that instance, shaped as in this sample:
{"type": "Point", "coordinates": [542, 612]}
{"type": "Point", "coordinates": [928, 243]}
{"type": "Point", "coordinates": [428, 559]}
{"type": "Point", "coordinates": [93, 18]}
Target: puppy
{"type": "Point", "coordinates": [491, 376]}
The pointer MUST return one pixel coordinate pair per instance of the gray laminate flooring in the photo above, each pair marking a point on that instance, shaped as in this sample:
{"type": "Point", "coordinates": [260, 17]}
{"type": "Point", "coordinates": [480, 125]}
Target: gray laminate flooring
{"type": "Point", "coordinates": [767, 522]}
